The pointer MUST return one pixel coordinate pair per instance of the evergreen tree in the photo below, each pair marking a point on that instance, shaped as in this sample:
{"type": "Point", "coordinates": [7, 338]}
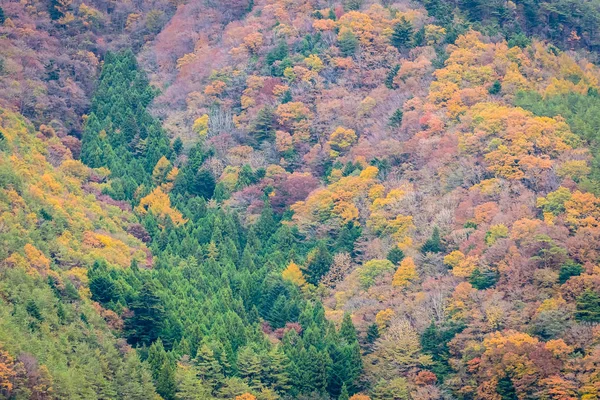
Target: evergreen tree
{"type": "Point", "coordinates": [568, 270]}
{"type": "Point", "coordinates": [318, 264]}
{"type": "Point", "coordinates": [396, 118]}
{"type": "Point", "coordinates": [389, 79]}
{"type": "Point", "coordinates": [395, 255]}
{"type": "Point", "coordinates": [495, 88]}
{"type": "Point", "coordinates": [249, 367]}
{"type": "Point", "coordinates": [2, 16]}
{"type": "Point", "coordinates": [347, 330]}
{"type": "Point", "coordinates": [433, 244]}
{"type": "Point", "coordinates": [372, 333]}
{"type": "Point", "coordinates": [178, 145]}
{"type": "Point", "coordinates": [347, 42]}
{"type": "Point", "coordinates": [344, 393]}
{"type": "Point", "coordinates": [145, 325]}
{"type": "Point", "coordinates": [588, 306]}
{"type": "Point", "coordinates": [402, 36]}
{"type": "Point", "coordinates": [263, 129]}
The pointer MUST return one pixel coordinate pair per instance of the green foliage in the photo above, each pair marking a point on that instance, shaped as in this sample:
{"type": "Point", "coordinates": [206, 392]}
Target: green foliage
{"type": "Point", "coordinates": [434, 342]}
{"type": "Point", "coordinates": [352, 5]}
{"type": "Point", "coordinates": [373, 269]}
{"type": "Point", "coordinates": [120, 133]}
{"type": "Point", "coordinates": [568, 270]}
{"type": "Point", "coordinates": [263, 129]}
{"type": "Point", "coordinates": [483, 279]}
{"type": "Point", "coordinates": [2, 17]}
{"type": "Point", "coordinates": [588, 307]}
{"type": "Point", "coordinates": [146, 323]}
{"type": "Point", "coordinates": [402, 37]}
{"type": "Point", "coordinates": [434, 243]}
{"type": "Point", "coordinates": [495, 88]}
{"type": "Point", "coordinates": [395, 255]}
{"type": "Point", "coordinates": [372, 333]}
{"type": "Point", "coordinates": [396, 118]}
{"type": "Point", "coordinates": [389, 79]}
{"type": "Point", "coordinates": [318, 264]}
{"type": "Point", "coordinates": [348, 43]}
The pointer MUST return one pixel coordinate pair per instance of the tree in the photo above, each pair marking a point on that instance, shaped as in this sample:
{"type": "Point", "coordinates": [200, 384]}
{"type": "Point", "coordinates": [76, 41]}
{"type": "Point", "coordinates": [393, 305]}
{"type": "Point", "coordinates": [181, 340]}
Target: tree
{"type": "Point", "coordinates": [189, 387]}
{"type": "Point", "coordinates": [402, 36]}
{"type": "Point", "coordinates": [318, 263]}
{"type": "Point", "coordinates": [293, 274]}
{"type": "Point", "coordinates": [395, 255]}
{"type": "Point", "coordinates": [495, 88]}
{"type": "Point", "coordinates": [347, 329]}
{"type": "Point", "coordinates": [207, 367]}
{"type": "Point", "coordinates": [372, 333]}
{"type": "Point", "coordinates": [249, 366]}
{"type": "Point", "coordinates": [588, 306]}
{"type": "Point", "coordinates": [347, 42]}
{"type": "Point", "coordinates": [263, 129]}
{"type": "Point", "coordinates": [405, 274]}
{"type": "Point", "coordinates": [396, 118]}
{"type": "Point", "coordinates": [344, 393]}
{"type": "Point", "coordinates": [568, 270]}
{"type": "Point", "coordinates": [146, 323]}
{"type": "Point", "coordinates": [434, 243]}
{"type": "Point", "coordinates": [2, 16]}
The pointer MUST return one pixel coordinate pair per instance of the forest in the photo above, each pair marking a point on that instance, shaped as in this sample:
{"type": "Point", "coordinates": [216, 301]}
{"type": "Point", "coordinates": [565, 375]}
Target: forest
{"type": "Point", "coordinates": [300, 199]}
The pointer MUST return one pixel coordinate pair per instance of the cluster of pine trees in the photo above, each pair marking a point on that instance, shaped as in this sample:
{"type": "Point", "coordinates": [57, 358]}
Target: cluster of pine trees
{"type": "Point", "coordinates": [202, 315]}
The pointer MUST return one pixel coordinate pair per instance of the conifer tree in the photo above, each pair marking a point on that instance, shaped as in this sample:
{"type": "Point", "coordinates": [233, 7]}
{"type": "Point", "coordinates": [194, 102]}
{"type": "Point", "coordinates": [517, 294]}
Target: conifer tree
{"type": "Point", "coordinates": [402, 36]}
{"type": "Point", "coordinates": [347, 42]}
{"type": "Point", "coordinates": [318, 264]}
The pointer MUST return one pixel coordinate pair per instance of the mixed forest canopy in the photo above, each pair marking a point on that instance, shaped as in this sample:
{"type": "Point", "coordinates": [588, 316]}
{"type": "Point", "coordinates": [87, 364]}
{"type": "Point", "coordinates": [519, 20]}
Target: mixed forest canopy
{"type": "Point", "coordinates": [300, 199]}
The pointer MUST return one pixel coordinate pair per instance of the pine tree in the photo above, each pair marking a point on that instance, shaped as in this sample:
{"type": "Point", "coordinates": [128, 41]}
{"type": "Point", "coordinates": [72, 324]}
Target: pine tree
{"type": "Point", "coordinates": [276, 373]}
{"type": "Point", "coordinates": [403, 35]}
{"type": "Point", "coordinates": [207, 366]}
{"type": "Point", "coordinates": [347, 42]}
{"type": "Point", "coordinates": [145, 325]}
{"type": "Point", "coordinates": [389, 79]}
{"type": "Point", "coordinates": [372, 333]}
{"type": "Point", "coordinates": [2, 16]}
{"type": "Point", "coordinates": [249, 366]}
{"type": "Point", "coordinates": [263, 129]}
{"type": "Point", "coordinates": [588, 307]}
{"type": "Point", "coordinates": [318, 264]}
{"type": "Point", "coordinates": [395, 255]}
{"type": "Point", "coordinates": [347, 330]}
{"type": "Point", "coordinates": [433, 244]}
{"type": "Point", "coordinates": [495, 88]}
{"type": "Point", "coordinates": [344, 393]}
{"type": "Point", "coordinates": [396, 118]}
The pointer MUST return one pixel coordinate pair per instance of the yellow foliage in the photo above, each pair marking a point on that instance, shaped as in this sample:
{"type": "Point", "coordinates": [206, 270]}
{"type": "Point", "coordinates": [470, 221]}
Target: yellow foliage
{"type": "Point", "coordinates": [159, 204]}
{"type": "Point", "coordinates": [575, 169]}
{"type": "Point", "coordinates": [434, 34]}
{"type": "Point", "coordinates": [383, 318]}
{"type": "Point", "coordinates": [340, 140]}
{"type": "Point", "coordinates": [201, 126]}
{"type": "Point", "coordinates": [314, 63]}
{"type": "Point", "coordinates": [406, 273]}
{"type": "Point", "coordinates": [161, 170]}
{"type": "Point", "coordinates": [496, 232]}
{"type": "Point", "coordinates": [293, 274]}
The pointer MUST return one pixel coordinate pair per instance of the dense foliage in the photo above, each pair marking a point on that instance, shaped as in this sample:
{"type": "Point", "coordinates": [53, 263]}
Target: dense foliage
{"type": "Point", "coordinates": [299, 199]}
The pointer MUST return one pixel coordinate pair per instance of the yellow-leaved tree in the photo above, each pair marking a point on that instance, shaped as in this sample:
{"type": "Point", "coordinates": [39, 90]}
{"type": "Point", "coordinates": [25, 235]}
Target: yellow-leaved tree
{"type": "Point", "coordinates": [293, 274]}
{"type": "Point", "coordinates": [406, 273]}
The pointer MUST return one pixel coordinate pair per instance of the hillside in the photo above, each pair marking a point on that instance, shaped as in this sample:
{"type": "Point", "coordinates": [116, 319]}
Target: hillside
{"type": "Point", "coordinates": [285, 199]}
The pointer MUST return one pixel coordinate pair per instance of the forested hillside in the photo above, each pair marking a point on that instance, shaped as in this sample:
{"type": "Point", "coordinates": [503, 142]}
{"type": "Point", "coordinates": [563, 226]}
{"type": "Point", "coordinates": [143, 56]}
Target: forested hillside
{"type": "Point", "coordinates": [299, 199]}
